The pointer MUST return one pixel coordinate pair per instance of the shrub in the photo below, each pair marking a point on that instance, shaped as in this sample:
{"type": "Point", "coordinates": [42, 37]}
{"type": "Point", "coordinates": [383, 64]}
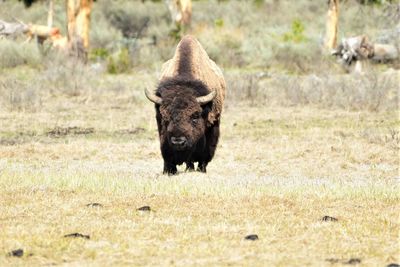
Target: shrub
{"type": "Point", "coordinates": [13, 54]}
{"type": "Point", "coordinates": [300, 58]}
{"type": "Point", "coordinates": [67, 75]}
{"type": "Point", "coordinates": [296, 34]}
{"type": "Point", "coordinates": [128, 23]}
{"type": "Point", "coordinates": [119, 62]}
{"type": "Point", "coordinates": [19, 90]}
{"type": "Point", "coordinates": [225, 47]}
{"type": "Point", "coordinates": [372, 91]}
{"type": "Point", "coordinates": [132, 18]}
{"type": "Point", "coordinates": [102, 33]}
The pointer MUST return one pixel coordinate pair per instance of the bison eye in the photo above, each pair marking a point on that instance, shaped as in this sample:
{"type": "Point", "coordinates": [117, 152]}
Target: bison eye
{"type": "Point", "coordinates": [195, 117]}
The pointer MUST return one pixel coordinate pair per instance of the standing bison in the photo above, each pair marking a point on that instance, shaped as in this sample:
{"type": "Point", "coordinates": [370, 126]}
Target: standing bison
{"type": "Point", "coordinates": [188, 102]}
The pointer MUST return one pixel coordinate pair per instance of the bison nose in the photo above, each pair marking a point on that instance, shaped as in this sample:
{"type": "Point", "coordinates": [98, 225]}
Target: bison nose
{"type": "Point", "coordinates": [178, 141]}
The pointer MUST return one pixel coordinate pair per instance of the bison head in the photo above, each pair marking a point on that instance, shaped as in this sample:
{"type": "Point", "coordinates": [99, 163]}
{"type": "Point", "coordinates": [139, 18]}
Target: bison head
{"type": "Point", "coordinates": [181, 116]}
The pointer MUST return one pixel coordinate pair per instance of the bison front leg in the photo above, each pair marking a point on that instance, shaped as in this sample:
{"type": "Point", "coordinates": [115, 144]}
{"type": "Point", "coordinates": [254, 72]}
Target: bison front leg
{"type": "Point", "coordinates": [168, 156]}
{"type": "Point", "coordinates": [202, 167]}
{"type": "Point", "coordinates": [212, 137]}
{"type": "Point", "coordinates": [189, 166]}
{"type": "Point", "coordinates": [169, 168]}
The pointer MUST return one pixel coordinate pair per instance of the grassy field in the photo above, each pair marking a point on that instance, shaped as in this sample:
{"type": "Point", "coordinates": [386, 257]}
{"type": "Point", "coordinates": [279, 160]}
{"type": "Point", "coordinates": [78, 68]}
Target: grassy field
{"type": "Point", "coordinates": [277, 172]}
{"type": "Point", "coordinates": [308, 159]}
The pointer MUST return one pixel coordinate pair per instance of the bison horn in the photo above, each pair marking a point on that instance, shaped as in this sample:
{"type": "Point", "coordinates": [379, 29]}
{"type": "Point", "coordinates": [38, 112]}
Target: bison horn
{"type": "Point", "coordinates": [153, 97]}
{"type": "Point", "coordinates": [202, 100]}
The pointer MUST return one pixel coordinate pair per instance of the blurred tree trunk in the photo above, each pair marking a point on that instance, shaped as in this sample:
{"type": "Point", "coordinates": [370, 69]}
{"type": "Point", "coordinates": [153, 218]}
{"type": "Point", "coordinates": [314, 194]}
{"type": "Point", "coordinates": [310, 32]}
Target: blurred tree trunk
{"type": "Point", "coordinates": [181, 11]}
{"type": "Point", "coordinates": [332, 24]}
{"type": "Point", "coordinates": [50, 14]}
{"type": "Point", "coordinates": [40, 32]}
{"type": "Point", "coordinates": [78, 26]}
{"type": "Point", "coordinates": [83, 21]}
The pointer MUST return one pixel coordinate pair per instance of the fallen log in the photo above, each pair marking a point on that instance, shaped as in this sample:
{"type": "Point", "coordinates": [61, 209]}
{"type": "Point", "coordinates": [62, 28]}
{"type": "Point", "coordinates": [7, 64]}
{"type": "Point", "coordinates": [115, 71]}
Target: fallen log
{"type": "Point", "coordinates": [385, 52]}
{"type": "Point", "coordinates": [42, 32]}
{"type": "Point", "coordinates": [8, 29]}
{"type": "Point", "coordinates": [355, 50]}
{"type": "Point", "coordinates": [52, 34]}
{"type": "Point", "coordinates": [39, 32]}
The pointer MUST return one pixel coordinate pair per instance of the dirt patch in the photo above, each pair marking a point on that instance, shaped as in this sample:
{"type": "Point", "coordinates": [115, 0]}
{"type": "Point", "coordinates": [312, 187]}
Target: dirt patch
{"type": "Point", "coordinates": [61, 131]}
{"type": "Point", "coordinates": [18, 138]}
{"type": "Point", "coordinates": [134, 131]}
{"type": "Point", "coordinates": [251, 237]}
{"type": "Point", "coordinates": [9, 141]}
{"type": "Point", "coordinates": [16, 253]}
{"type": "Point", "coordinates": [353, 261]}
{"type": "Point", "coordinates": [144, 208]}
{"type": "Point", "coordinates": [94, 205]}
{"type": "Point", "coordinates": [329, 219]}
{"type": "Point", "coordinates": [78, 235]}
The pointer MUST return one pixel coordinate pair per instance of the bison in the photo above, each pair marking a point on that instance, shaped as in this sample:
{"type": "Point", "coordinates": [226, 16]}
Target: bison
{"type": "Point", "coordinates": [188, 102]}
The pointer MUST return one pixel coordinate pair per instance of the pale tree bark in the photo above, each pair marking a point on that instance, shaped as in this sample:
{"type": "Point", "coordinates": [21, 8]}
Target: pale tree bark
{"type": "Point", "coordinates": [58, 41]}
{"type": "Point", "coordinates": [78, 25]}
{"type": "Point", "coordinates": [71, 20]}
{"type": "Point", "coordinates": [83, 21]}
{"type": "Point", "coordinates": [50, 14]}
{"type": "Point", "coordinates": [181, 11]}
{"type": "Point", "coordinates": [332, 24]}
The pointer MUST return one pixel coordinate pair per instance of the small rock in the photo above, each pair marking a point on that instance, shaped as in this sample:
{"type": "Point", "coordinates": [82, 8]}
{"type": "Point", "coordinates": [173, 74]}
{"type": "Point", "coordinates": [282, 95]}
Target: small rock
{"type": "Point", "coordinates": [329, 219]}
{"type": "Point", "coordinates": [75, 235]}
{"type": "Point", "coordinates": [332, 260]}
{"type": "Point", "coordinates": [353, 261]}
{"type": "Point", "coordinates": [16, 253]}
{"type": "Point", "coordinates": [251, 237]}
{"type": "Point", "coordinates": [94, 205]}
{"type": "Point", "coordinates": [393, 265]}
{"type": "Point", "coordinates": [144, 208]}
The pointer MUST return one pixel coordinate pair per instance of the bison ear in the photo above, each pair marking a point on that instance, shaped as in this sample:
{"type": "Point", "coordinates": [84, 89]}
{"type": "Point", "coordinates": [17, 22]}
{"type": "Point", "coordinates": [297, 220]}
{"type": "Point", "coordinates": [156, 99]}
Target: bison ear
{"type": "Point", "coordinates": [202, 100]}
{"type": "Point", "coordinates": [153, 97]}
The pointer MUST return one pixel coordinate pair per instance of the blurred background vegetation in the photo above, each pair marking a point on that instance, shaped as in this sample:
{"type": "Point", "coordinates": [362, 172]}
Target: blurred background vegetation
{"type": "Point", "coordinates": [265, 47]}
{"type": "Point", "coordinates": [258, 34]}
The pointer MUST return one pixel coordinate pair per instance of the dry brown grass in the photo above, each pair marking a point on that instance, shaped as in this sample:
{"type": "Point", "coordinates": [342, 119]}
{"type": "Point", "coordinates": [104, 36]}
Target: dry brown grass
{"type": "Point", "coordinates": [277, 172]}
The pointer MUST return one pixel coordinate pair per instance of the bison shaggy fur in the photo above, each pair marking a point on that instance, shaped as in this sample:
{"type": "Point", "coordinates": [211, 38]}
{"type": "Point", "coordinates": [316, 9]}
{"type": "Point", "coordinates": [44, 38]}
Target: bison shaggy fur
{"type": "Point", "coordinates": [188, 101]}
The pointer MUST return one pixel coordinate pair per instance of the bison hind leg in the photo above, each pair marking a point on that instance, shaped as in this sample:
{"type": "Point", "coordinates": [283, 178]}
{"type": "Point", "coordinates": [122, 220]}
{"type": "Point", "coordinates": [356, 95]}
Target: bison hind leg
{"type": "Point", "coordinates": [202, 167]}
{"type": "Point", "coordinates": [189, 166]}
{"type": "Point", "coordinates": [169, 168]}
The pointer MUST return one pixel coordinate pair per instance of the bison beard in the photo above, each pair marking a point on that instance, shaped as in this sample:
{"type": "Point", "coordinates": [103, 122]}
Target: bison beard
{"type": "Point", "coordinates": [181, 117]}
